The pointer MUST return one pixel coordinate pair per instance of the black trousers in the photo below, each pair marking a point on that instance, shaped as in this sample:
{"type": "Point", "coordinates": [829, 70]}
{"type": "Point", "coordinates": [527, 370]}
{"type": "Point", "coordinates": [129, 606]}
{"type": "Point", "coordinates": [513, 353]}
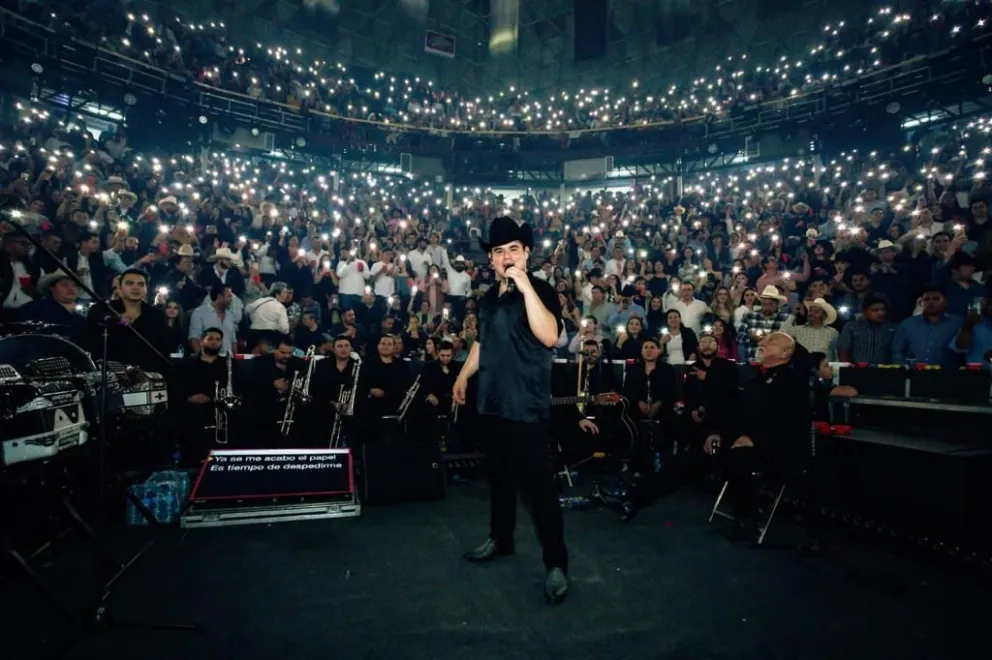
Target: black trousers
{"type": "Point", "coordinates": [518, 461]}
{"type": "Point", "coordinates": [795, 472]}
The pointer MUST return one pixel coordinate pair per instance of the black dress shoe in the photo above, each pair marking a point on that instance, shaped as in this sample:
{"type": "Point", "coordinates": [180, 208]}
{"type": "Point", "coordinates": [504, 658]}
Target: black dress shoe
{"type": "Point", "coordinates": [487, 551]}
{"type": "Point", "coordinates": [556, 586]}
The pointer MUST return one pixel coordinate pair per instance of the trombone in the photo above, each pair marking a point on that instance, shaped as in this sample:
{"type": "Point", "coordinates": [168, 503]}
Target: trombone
{"type": "Point", "coordinates": [408, 399]}
{"type": "Point", "coordinates": [224, 402]}
{"type": "Point", "coordinates": [299, 393]}
{"type": "Point", "coordinates": [346, 402]}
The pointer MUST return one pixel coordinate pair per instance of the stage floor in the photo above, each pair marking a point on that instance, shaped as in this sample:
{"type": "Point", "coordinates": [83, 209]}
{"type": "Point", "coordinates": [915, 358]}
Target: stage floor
{"type": "Point", "coordinates": [391, 585]}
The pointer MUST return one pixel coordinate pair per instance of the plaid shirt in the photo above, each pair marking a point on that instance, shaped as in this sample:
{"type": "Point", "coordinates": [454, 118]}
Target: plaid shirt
{"type": "Point", "coordinates": [867, 343]}
{"type": "Point", "coordinates": [781, 320]}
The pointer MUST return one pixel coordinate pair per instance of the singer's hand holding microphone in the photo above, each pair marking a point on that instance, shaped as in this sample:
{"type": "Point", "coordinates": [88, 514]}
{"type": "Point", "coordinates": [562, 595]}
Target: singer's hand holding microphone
{"type": "Point", "coordinates": [516, 279]}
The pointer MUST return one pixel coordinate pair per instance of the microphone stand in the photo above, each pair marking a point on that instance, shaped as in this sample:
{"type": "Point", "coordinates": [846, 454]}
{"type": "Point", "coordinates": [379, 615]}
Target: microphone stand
{"type": "Point", "coordinates": [96, 616]}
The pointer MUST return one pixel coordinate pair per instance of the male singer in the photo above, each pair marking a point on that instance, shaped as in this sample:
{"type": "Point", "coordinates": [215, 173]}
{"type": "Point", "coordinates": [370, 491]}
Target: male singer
{"type": "Point", "coordinates": [519, 324]}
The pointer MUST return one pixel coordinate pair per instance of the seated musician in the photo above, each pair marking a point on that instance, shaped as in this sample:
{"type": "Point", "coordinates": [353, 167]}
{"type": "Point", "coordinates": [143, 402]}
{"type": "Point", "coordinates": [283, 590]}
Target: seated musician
{"type": "Point", "coordinates": [710, 392]}
{"type": "Point", "coordinates": [383, 384]}
{"type": "Point", "coordinates": [199, 378]}
{"type": "Point", "coordinates": [649, 388]}
{"type": "Point", "coordinates": [267, 393]}
{"type": "Point", "coordinates": [587, 427]}
{"type": "Point", "coordinates": [332, 386]}
{"type": "Point", "coordinates": [436, 382]}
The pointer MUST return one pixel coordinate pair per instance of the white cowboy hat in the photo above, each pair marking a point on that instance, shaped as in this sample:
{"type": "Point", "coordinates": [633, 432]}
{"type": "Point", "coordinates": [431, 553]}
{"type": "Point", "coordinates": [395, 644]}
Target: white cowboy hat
{"type": "Point", "coordinates": [223, 253]}
{"type": "Point", "coordinates": [828, 310]}
{"type": "Point", "coordinates": [115, 180]}
{"type": "Point", "coordinates": [772, 293]}
{"type": "Point", "coordinates": [185, 251]}
{"type": "Point", "coordinates": [886, 245]}
{"type": "Point", "coordinates": [47, 280]}
{"type": "Point", "coordinates": [168, 200]}
{"type": "Point", "coordinates": [459, 259]}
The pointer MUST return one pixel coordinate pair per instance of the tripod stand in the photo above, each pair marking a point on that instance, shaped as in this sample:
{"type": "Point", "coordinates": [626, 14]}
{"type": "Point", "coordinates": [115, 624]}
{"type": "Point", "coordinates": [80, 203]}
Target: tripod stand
{"type": "Point", "coordinates": [97, 616]}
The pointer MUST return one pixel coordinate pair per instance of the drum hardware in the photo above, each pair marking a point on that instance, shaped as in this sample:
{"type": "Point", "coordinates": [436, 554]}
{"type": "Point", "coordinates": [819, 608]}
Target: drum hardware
{"type": "Point", "coordinates": [96, 616]}
{"type": "Point", "coordinates": [299, 393]}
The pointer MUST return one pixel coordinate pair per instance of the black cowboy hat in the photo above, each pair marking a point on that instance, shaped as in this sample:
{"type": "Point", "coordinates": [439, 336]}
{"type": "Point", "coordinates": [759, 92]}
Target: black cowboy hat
{"type": "Point", "coordinates": [505, 229]}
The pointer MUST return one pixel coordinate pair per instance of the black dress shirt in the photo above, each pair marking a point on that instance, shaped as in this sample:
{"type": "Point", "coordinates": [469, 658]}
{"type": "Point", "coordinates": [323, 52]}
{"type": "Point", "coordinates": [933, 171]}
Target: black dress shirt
{"type": "Point", "coordinates": [514, 367]}
{"type": "Point", "coordinates": [122, 344]}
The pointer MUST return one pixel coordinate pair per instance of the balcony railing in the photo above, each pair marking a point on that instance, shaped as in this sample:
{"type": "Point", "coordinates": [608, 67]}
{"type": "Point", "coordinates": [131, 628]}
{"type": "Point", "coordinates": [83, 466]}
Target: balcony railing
{"type": "Point", "coordinates": [946, 69]}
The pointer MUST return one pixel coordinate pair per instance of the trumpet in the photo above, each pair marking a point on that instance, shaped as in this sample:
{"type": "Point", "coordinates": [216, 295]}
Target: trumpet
{"type": "Point", "coordinates": [346, 402]}
{"type": "Point", "coordinates": [408, 399]}
{"type": "Point", "coordinates": [299, 393]}
{"type": "Point", "coordinates": [224, 402]}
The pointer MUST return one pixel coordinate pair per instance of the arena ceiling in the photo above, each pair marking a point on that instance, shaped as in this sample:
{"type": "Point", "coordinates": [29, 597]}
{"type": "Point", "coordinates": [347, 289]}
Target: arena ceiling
{"type": "Point", "coordinates": [652, 41]}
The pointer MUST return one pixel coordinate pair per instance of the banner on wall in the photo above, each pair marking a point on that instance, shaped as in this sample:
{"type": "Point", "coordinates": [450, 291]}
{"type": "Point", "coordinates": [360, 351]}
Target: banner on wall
{"type": "Point", "coordinates": [439, 44]}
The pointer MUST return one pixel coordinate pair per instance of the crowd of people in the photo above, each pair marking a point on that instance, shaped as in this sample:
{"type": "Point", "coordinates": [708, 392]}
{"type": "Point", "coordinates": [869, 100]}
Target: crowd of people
{"type": "Point", "coordinates": [847, 254]}
{"type": "Point", "coordinates": [845, 49]}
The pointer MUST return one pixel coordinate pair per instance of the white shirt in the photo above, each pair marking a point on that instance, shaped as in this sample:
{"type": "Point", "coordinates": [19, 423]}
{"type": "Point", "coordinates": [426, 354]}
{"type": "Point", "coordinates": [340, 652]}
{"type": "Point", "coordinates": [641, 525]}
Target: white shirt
{"type": "Point", "coordinates": [587, 293]}
{"type": "Point", "coordinates": [614, 267]}
{"type": "Point", "coordinates": [459, 284]}
{"type": "Point", "coordinates": [692, 313]}
{"type": "Point", "coordinates": [419, 262]}
{"type": "Point", "coordinates": [350, 281]}
{"type": "Point", "coordinates": [675, 353]}
{"type": "Point", "coordinates": [17, 297]}
{"type": "Point", "coordinates": [385, 285]}
{"type": "Point", "coordinates": [439, 255]}
{"type": "Point", "coordinates": [268, 314]}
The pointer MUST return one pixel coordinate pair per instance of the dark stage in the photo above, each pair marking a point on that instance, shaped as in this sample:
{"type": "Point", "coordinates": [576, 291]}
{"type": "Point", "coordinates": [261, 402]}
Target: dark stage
{"type": "Point", "coordinates": [391, 584]}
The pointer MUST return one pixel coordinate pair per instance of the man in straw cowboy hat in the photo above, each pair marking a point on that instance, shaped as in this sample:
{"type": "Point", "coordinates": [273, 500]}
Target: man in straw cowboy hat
{"type": "Point", "coordinates": [223, 270]}
{"type": "Point", "coordinates": [817, 334]}
{"type": "Point", "coordinates": [770, 317]}
{"type": "Point", "coordinates": [519, 324]}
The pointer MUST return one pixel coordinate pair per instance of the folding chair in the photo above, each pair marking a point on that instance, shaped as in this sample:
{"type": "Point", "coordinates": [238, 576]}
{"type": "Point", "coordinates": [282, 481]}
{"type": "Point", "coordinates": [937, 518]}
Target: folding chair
{"type": "Point", "coordinates": [762, 527]}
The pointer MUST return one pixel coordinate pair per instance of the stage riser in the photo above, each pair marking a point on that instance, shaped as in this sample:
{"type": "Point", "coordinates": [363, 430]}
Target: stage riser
{"type": "Point", "coordinates": [919, 492]}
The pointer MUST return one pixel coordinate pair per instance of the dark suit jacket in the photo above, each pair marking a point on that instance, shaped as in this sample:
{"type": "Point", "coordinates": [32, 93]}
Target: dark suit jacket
{"type": "Point", "coordinates": [235, 280]}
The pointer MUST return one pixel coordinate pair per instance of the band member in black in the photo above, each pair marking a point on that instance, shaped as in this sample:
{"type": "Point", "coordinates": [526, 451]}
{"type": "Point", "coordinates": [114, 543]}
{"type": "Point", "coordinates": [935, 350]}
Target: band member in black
{"type": "Point", "coordinates": [436, 383]}
{"type": "Point", "coordinates": [383, 384]}
{"type": "Point", "coordinates": [122, 345]}
{"type": "Point", "coordinates": [200, 377]}
{"type": "Point", "coordinates": [332, 388]}
{"type": "Point", "coordinates": [649, 388]}
{"type": "Point", "coordinates": [519, 325]}
{"type": "Point", "coordinates": [267, 392]}
{"type": "Point", "coordinates": [603, 435]}
{"type": "Point", "coordinates": [771, 431]}
{"type": "Point", "coordinates": [710, 393]}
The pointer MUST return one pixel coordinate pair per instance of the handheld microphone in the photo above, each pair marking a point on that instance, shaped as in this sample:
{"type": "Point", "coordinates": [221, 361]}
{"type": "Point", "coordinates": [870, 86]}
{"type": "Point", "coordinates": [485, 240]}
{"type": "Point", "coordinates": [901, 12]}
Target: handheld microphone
{"type": "Point", "coordinates": [511, 286]}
